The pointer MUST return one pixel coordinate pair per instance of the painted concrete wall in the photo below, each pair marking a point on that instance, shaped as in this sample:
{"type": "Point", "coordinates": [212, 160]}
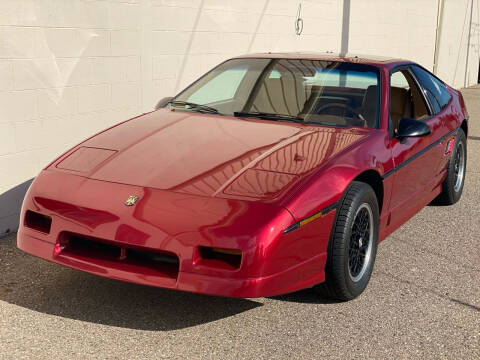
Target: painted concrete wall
{"type": "Point", "coordinates": [69, 68]}
{"type": "Point", "coordinates": [460, 36]}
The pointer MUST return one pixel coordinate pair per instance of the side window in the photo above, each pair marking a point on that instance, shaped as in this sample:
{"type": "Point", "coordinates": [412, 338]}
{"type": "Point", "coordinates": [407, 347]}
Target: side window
{"type": "Point", "coordinates": [435, 90]}
{"type": "Point", "coordinates": [398, 80]}
{"type": "Point", "coordinates": [220, 88]}
{"type": "Point", "coordinates": [405, 98]}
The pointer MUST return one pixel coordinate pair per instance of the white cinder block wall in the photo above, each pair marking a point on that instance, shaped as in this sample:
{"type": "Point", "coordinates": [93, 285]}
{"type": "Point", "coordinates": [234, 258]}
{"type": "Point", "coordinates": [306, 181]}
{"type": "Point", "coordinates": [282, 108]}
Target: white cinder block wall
{"type": "Point", "coordinates": [69, 68]}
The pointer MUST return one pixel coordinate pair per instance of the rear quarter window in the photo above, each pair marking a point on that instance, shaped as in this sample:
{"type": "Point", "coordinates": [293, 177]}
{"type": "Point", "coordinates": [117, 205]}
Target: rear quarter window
{"type": "Point", "coordinates": [436, 91]}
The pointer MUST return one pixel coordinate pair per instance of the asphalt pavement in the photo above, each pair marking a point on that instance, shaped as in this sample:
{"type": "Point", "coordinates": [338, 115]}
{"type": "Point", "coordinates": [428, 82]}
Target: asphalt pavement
{"type": "Point", "coordinates": [423, 301]}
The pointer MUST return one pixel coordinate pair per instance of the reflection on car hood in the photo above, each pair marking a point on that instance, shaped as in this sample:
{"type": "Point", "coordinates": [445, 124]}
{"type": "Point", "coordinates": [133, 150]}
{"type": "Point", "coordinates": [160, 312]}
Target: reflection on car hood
{"type": "Point", "coordinates": [207, 155]}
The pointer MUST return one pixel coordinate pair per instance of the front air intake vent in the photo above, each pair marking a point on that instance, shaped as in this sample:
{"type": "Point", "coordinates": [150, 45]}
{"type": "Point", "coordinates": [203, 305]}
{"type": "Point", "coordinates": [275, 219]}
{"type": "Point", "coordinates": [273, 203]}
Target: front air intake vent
{"type": "Point", "coordinates": [37, 221]}
{"type": "Point", "coordinates": [118, 255]}
{"type": "Point", "coordinates": [229, 259]}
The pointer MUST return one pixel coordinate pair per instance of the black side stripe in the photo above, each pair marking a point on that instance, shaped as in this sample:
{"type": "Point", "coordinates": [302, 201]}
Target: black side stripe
{"type": "Point", "coordinates": [312, 217]}
{"type": "Point", "coordinates": [421, 152]}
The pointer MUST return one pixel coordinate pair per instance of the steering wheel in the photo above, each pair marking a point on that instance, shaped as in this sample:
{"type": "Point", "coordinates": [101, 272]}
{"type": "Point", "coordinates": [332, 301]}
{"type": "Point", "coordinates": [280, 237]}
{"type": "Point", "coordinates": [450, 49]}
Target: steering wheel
{"type": "Point", "coordinates": [345, 107]}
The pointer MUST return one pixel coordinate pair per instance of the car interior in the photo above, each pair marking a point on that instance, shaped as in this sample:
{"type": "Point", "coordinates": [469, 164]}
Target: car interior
{"type": "Point", "coordinates": [335, 105]}
{"type": "Point", "coordinates": [323, 104]}
{"type": "Point", "coordinates": [338, 105]}
{"type": "Point", "coordinates": [406, 100]}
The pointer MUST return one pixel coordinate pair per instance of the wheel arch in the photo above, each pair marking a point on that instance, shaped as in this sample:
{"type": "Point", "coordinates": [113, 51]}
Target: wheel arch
{"type": "Point", "coordinates": [464, 126]}
{"type": "Point", "coordinates": [373, 178]}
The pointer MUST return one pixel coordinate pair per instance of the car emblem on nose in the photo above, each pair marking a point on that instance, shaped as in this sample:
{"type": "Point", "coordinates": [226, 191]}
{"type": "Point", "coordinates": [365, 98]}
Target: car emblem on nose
{"type": "Point", "coordinates": [131, 200]}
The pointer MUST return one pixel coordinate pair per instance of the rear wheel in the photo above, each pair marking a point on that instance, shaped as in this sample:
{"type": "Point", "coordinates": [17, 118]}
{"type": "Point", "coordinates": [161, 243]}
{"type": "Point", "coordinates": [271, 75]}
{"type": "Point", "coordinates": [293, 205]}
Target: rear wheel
{"type": "Point", "coordinates": [452, 186]}
{"type": "Point", "coordinates": [353, 244]}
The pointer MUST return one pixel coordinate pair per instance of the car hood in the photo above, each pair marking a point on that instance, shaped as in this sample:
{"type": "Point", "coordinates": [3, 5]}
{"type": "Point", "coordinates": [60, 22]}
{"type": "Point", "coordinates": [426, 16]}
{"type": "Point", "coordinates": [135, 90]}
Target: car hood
{"type": "Point", "coordinates": [209, 155]}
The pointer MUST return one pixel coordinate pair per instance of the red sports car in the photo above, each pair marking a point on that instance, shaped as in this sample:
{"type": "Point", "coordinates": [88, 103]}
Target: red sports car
{"type": "Point", "coordinates": [269, 174]}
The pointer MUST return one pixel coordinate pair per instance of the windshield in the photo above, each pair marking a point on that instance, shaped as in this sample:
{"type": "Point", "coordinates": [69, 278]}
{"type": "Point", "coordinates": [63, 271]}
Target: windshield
{"type": "Point", "coordinates": [312, 91]}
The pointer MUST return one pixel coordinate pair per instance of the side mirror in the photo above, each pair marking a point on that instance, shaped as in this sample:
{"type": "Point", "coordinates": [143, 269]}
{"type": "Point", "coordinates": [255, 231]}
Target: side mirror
{"type": "Point", "coordinates": [412, 128]}
{"type": "Point", "coordinates": [162, 103]}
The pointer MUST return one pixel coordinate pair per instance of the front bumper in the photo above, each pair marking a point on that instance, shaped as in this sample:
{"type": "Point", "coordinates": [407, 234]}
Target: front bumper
{"type": "Point", "coordinates": [284, 282]}
{"type": "Point", "coordinates": [272, 262]}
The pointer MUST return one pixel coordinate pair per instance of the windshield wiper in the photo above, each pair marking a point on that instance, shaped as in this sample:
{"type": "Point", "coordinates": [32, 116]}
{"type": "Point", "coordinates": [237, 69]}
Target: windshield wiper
{"type": "Point", "coordinates": [195, 107]}
{"type": "Point", "coordinates": [269, 116]}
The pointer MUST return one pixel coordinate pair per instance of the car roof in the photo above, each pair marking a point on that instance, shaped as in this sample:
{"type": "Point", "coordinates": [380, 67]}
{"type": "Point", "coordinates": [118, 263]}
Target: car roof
{"type": "Point", "coordinates": [330, 56]}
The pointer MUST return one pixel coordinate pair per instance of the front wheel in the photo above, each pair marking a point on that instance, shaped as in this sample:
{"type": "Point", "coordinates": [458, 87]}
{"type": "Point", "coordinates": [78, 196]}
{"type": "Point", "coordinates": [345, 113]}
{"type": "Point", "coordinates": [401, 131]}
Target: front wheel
{"type": "Point", "coordinates": [353, 244]}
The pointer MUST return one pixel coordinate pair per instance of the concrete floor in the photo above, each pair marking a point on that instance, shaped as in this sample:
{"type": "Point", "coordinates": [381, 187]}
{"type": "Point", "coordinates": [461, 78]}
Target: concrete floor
{"type": "Point", "coordinates": [423, 302]}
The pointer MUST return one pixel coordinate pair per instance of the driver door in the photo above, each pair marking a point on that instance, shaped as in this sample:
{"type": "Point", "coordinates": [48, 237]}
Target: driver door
{"type": "Point", "coordinates": [415, 159]}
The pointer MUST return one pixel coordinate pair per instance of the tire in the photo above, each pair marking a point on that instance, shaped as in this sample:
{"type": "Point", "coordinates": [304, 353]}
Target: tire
{"type": "Point", "coordinates": [346, 276]}
{"type": "Point", "coordinates": [452, 186]}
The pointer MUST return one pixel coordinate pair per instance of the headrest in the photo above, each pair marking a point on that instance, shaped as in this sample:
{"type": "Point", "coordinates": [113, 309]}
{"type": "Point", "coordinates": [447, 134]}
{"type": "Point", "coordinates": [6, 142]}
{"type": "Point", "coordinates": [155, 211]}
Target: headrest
{"type": "Point", "coordinates": [370, 97]}
{"type": "Point", "coordinates": [398, 98]}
